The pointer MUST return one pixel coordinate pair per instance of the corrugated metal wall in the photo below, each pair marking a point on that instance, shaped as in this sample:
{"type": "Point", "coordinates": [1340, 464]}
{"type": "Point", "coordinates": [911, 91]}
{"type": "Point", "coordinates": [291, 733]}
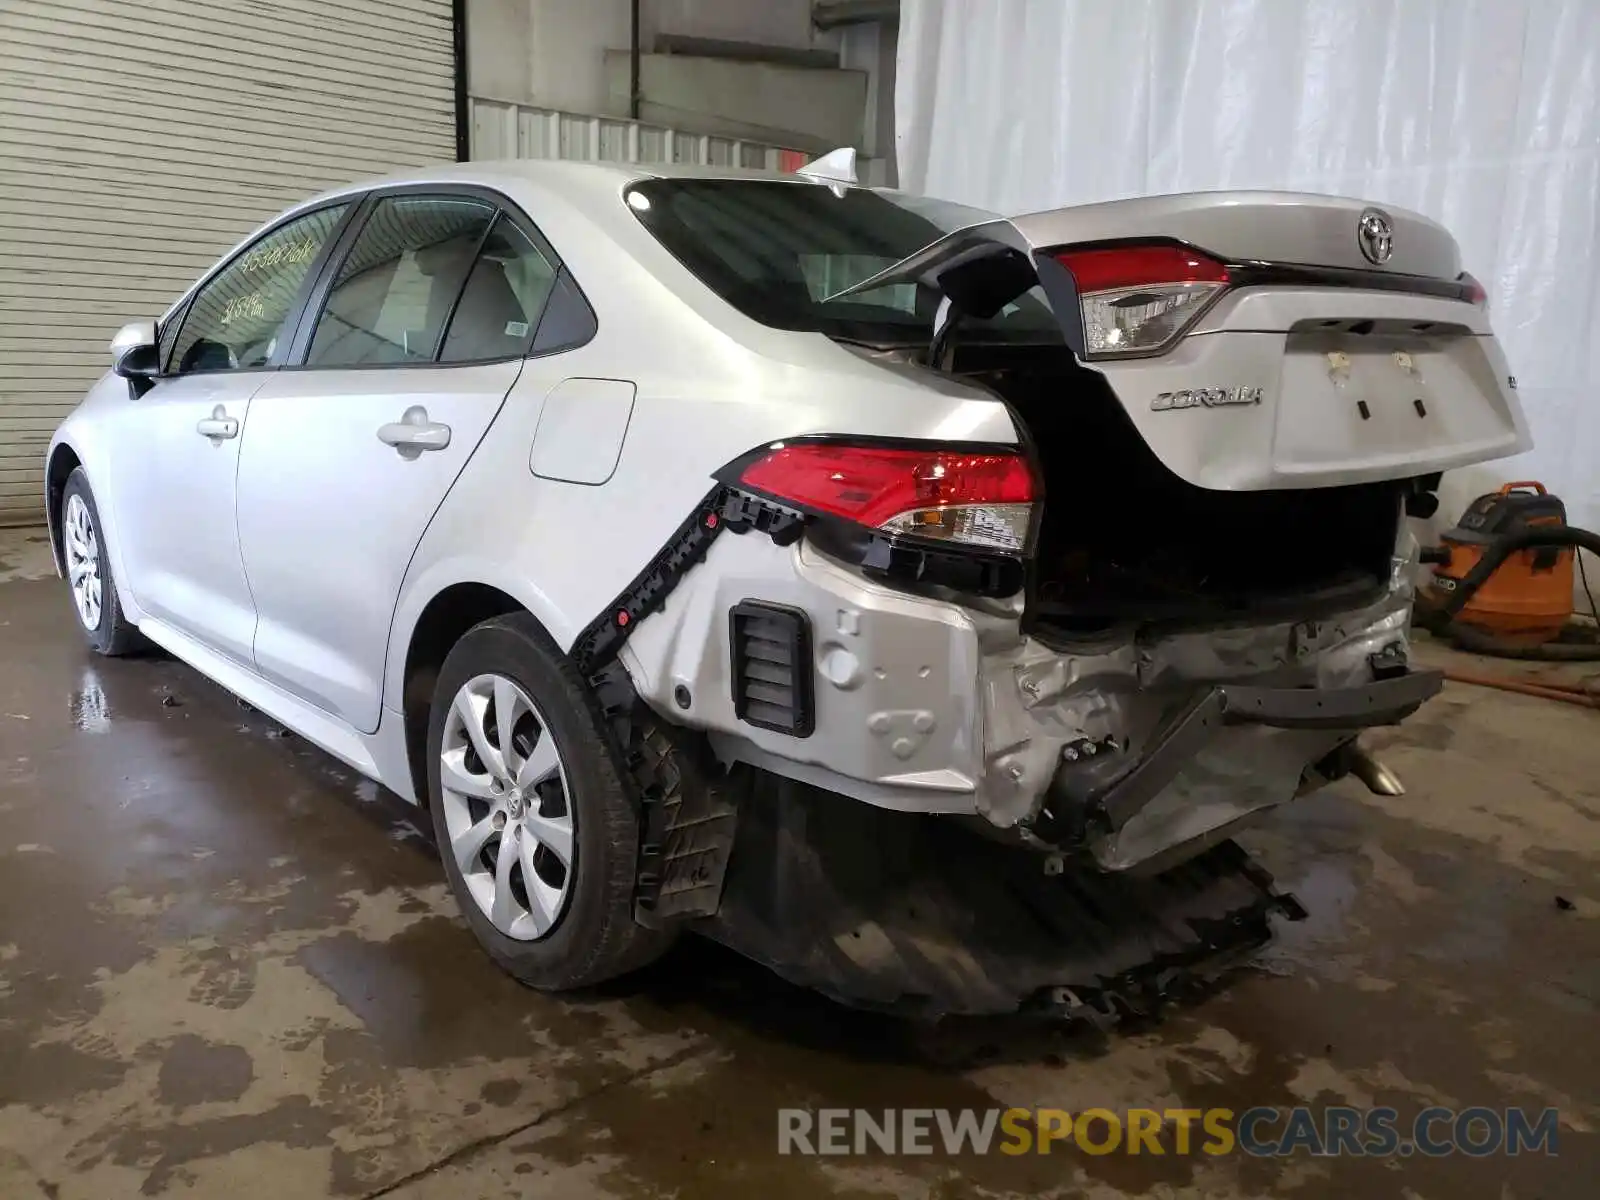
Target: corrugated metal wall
{"type": "Point", "coordinates": [140, 140]}
{"type": "Point", "coordinates": [505, 130]}
{"type": "Point", "coordinates": [502, 129]}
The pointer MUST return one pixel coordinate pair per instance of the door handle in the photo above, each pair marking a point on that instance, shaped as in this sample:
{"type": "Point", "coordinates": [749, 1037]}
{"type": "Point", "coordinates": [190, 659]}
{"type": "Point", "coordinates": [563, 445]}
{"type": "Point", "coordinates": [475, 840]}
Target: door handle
{"type": "Point", "coordinates": [217, 426]}
{"type": "Point", "coordinates": [413, 433]}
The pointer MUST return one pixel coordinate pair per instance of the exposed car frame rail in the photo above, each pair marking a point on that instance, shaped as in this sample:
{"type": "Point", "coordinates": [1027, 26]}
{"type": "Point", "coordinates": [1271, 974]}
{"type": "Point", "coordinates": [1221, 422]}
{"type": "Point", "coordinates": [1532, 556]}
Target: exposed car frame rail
{"type": "Point", "coordinates": [1092, 787]}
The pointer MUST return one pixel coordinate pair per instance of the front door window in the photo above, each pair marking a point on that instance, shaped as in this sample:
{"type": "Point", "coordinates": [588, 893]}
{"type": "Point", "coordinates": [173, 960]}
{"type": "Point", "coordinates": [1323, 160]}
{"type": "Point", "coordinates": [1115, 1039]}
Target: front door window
{"type": "Point", "coordinates": [236, 319]}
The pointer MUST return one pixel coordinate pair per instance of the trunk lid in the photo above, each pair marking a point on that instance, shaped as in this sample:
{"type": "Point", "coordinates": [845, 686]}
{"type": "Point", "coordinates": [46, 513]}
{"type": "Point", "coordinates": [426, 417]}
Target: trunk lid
{"type": "Point", "coordinates": [1242, 227]}
{"type": "Point", "coordinates": [1342, 350]}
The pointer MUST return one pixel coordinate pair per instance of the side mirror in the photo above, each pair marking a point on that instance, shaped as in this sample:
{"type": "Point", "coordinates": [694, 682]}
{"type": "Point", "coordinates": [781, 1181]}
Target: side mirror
{"type": "Point", "coordinates": [138, 362]}
{"type": "Point", "coordinates": [134, 333]}
{"type": "Point", "coordinates": [136, 356]}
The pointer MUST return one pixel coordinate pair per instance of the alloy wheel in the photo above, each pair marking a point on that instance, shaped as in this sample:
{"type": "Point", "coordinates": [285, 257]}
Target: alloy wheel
{"type": "Point", "coordinates": [506, 807]}
{"type": "Point", "coordinates": [83, 561]}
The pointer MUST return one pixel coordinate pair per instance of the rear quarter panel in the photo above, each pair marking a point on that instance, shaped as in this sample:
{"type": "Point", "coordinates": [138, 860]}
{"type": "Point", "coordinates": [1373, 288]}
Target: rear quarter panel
{"type": "Point", "coordinates": [711, 385]}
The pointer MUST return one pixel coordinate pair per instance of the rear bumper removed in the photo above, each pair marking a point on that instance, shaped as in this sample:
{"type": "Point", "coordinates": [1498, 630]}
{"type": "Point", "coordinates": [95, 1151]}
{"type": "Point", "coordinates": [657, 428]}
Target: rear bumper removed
{"type": "Point", "coordinates": [1089, 872]}
{"type": "Point", "coordinates": [925, 705]}
{"type": "Point", "coordinates": [1145, 811]}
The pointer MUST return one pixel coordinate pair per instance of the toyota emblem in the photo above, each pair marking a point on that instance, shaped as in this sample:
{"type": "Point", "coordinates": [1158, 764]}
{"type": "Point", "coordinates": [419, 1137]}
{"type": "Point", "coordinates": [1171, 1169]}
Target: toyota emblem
{"type": "Point", "coordinates": [1375, 232]}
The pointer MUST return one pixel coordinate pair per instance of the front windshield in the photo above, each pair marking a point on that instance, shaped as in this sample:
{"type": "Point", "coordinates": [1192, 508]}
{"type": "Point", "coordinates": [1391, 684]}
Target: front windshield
{"type": "Point", "coordinates": [776, 250]}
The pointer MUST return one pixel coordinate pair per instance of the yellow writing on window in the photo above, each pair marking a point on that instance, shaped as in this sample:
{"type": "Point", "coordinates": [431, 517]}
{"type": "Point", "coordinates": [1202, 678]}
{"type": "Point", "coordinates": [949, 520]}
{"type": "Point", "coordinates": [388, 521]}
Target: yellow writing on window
{"type": "Point", "coordinates": [244, 308]}
{"type": "Point", "coordinates": [282, 255]}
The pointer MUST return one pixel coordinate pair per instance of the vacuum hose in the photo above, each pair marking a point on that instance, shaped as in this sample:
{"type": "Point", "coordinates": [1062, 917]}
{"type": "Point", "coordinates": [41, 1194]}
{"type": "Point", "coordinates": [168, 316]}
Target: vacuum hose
{"type": "Point", "coordinates": [1441, 621]}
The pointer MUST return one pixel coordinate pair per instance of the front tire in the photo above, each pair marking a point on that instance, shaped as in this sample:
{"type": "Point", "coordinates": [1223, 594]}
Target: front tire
{"type": "Point", "coordinates": [533, 821]}
{"type": "Point", "coordinates": [88, 566]}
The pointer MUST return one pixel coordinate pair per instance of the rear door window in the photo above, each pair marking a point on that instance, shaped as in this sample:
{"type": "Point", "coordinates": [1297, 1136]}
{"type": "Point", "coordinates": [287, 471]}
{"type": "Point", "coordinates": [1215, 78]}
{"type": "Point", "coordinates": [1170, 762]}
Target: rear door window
{"type": "Point", "coordinates": [399, 284]}
{"type": "Point", "coordinates": [505, 295]}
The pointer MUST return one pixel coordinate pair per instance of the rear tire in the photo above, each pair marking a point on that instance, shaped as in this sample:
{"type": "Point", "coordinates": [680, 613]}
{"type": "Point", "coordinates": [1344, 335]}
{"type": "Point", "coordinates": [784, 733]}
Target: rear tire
{"type": "Point", "coordinates": [88, 566]}
{"type": "Point", "coordinates": [554, 906]}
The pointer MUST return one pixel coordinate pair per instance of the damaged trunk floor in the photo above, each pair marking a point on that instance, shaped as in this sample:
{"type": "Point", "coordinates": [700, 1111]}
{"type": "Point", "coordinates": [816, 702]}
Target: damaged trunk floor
{"type": "Point", "coordinates": [228, 966]}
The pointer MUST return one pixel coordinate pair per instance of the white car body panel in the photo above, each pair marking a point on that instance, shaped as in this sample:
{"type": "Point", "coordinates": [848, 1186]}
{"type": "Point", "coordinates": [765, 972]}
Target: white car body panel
{"type": "Point", "coordinates": [1308, 429]}
{"type": "Point", "coordinates": [705, 412]}
{"type": "Point", "coordinates": [322, 730]}
{"type": "Point", "coordinates": [175, 496]}
{"type": "Point", "coordinates": [329, 515]}
{"type": "Point", "coordinates": [582, 427]}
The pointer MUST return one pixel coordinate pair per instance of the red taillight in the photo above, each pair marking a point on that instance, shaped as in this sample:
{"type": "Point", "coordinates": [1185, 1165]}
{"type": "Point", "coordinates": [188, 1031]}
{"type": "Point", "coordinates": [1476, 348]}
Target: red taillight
{"type": "Point", "coordinates": [1140, 299]}
{"type": "Point", "coordinates": [1140, 266]}
{"type": "Point", "coordinates": [1476, 292]}
{"type": "Point", "coordinates": [980, 498]}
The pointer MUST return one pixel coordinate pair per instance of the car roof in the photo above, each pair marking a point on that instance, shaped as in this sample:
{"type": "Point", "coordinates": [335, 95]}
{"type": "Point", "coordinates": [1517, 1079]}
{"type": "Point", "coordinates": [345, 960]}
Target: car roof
{"type": "Point", "coordinates": [560, 175]}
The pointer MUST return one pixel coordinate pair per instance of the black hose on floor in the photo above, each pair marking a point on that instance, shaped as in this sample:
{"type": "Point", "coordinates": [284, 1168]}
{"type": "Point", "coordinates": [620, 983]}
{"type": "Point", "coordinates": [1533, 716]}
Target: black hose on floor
{"type": "Point", "coordinates": [1474, 642]}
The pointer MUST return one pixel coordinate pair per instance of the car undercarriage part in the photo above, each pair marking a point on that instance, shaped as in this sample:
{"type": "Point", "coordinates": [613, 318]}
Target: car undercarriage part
{"type": "Point", "coordinates": [1502, 579]}
{"type": "Point", "coordinates": [1352, 758]}
{"type": "Point", "coordinates": [923, 916]}
{"type": "Point", "coordinates": [1139, 812]}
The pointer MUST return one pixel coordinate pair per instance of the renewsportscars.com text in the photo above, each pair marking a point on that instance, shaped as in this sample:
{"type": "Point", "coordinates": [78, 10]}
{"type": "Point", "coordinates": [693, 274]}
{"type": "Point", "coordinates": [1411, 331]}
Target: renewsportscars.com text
{"type": "Point", "coordinates": [1260, 1132]}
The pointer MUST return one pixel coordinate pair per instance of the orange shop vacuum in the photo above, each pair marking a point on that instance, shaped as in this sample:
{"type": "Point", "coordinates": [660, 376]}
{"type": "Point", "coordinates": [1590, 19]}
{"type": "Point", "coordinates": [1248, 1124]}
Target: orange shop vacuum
{"type": "Point", "coordinates": [1502, 579]}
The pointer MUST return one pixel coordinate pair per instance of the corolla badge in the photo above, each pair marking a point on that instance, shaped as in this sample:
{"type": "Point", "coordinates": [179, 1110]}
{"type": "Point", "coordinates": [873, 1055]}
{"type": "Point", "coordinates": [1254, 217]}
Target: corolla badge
{"type": "Point", "coordinates": [1375, 233]}
{"type": "Point", "coordinates": [1205, 398]}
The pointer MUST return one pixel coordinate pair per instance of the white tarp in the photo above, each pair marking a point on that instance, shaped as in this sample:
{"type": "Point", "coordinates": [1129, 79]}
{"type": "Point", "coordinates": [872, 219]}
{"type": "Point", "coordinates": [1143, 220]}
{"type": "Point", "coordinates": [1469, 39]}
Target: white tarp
{"type": "Point", "coordinates": [1483, 114]}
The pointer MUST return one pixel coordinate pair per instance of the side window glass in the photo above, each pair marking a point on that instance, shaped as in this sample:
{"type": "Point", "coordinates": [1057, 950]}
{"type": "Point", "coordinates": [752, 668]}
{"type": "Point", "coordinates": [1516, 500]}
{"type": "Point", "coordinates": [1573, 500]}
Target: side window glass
{"type": "Point", "coordinates": [504, 296]}
{"type": "Point", "coordinates": [568, 321]}
{"type": "Point", "coordinates": [396, 288]}
{"type": "Point", "coordinates": [236, 320]}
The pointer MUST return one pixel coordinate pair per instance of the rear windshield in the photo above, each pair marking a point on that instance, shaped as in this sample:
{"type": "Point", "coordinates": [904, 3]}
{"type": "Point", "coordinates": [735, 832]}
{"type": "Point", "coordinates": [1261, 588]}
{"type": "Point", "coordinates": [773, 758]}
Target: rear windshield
{"type": "Point", "coordinates": [776, 250]}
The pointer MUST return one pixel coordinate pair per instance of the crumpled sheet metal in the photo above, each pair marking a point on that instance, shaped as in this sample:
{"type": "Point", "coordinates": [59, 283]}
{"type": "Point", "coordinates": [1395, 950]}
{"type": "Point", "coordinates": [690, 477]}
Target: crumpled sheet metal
{"type": "Point", "coordinates": [1037, 699]}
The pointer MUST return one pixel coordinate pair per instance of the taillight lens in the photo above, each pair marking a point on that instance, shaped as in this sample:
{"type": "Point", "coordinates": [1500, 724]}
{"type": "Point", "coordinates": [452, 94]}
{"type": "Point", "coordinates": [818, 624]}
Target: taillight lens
{"type": "Point", "coordinates": [1476, 292]}
{"type": "Point", "coordinates": [981, 499]}
{"type": "Point", "coordinates": [1140, 299]}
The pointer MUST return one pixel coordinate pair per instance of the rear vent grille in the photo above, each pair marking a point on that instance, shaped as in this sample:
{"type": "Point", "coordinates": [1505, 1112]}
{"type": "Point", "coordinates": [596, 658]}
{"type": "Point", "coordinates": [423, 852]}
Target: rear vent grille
{"type": "Point", "coordinates": [772, 667]}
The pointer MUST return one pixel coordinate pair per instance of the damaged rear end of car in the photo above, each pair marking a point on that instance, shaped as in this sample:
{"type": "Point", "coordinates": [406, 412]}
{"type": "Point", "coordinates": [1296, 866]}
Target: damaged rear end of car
{"type": "Point", "coordinates": [951, 725]}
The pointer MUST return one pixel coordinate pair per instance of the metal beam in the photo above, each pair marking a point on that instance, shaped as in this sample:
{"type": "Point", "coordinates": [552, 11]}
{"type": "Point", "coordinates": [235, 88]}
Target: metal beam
{"type": "Point", "coordinates": [830, 14]}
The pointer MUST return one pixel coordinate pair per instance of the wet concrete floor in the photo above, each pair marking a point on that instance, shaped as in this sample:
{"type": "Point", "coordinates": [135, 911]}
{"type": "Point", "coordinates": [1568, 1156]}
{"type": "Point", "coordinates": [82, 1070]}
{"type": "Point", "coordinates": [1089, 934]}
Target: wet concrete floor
{"type": "Point", "coordinates": [229, 967]}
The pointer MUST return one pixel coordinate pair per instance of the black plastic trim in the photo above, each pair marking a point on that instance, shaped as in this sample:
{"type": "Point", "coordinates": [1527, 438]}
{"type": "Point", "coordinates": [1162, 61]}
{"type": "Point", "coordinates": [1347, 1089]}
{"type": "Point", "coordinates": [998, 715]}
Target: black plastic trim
{"type": "Point", "coordinates": [568, 319]}
{"type": "Point", "coordinates": [1271, 274]}
{"type": "Point", "coordinates": [743, 512]}
{"type": "Point", "coordinates": [917, 562]}
{"type": "Point", "coordinates": [600, 640]}
{"type": "Point", "coordinates": [796, 627]}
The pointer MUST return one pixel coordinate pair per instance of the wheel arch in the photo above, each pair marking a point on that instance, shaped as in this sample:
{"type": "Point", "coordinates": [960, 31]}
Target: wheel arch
{"type": "Point", "coordinates": [63, 461]}
{"type": "Point", "coordinates": [442, 621]}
